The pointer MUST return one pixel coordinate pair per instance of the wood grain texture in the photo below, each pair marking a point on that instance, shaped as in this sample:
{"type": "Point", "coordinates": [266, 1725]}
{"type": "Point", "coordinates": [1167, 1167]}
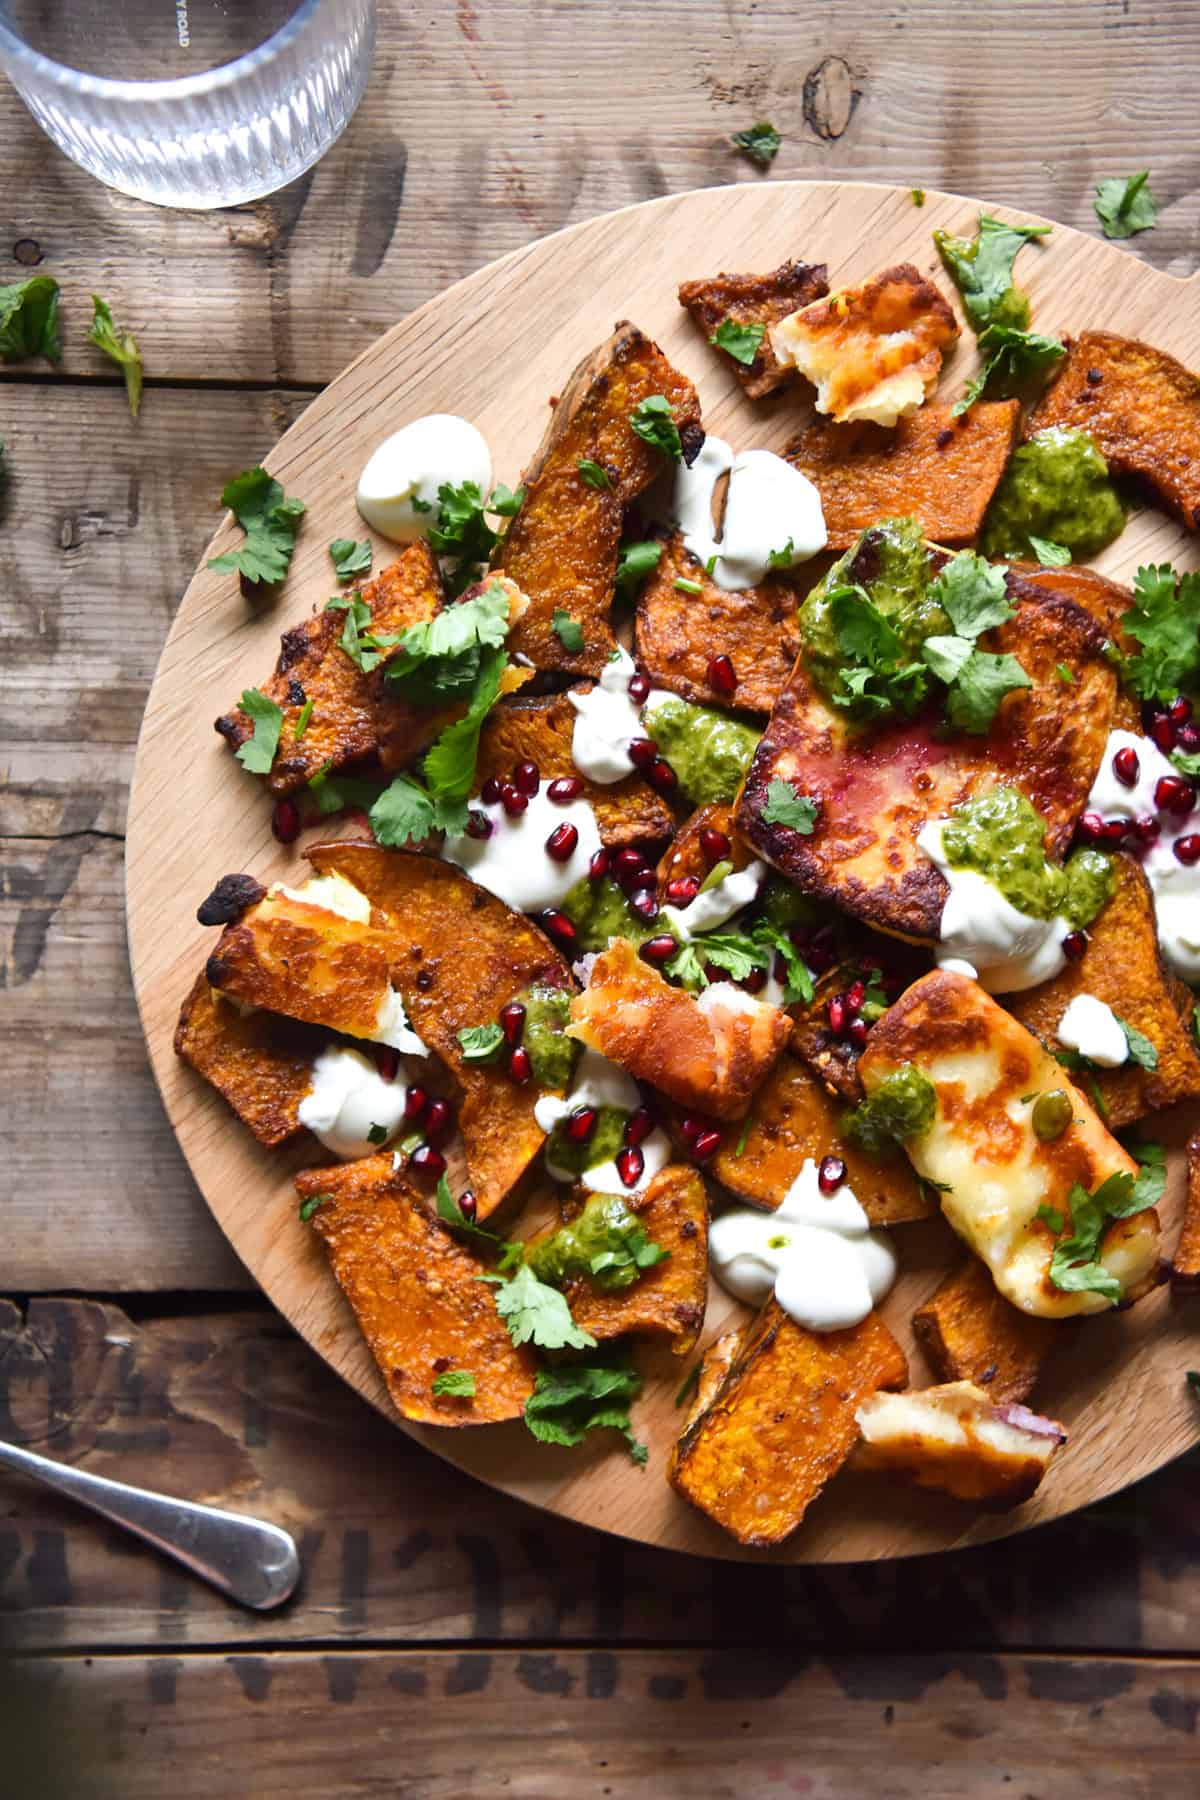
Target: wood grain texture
{"type": "Point", "coordinates": [480, 331]}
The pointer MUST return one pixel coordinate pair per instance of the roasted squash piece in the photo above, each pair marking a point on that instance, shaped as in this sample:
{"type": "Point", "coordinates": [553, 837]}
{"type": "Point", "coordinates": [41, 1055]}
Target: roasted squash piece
{"type": "Point", "coordinates": [1140, 406]}
{"type": "Point", "coordinates": [709, 1053]}
{"type": "Point", "coordinates": [541, 731]}
{"type": "Point", "coordinates": [862, 956]}
{"type": "Point", "coordinates": [562, 546]}
{"type": "Point", "coordinates": [873, 351]}
{"type": "Point", "coordinates": [416, 1294]}
{"type": "Point", "coordinates": [782, 1422]}
{"type": "Point", "coordinates": [1124, 968]}
{"type": "Point", "coordinates": [792, 1119]}
{"type": "Point", "coordinates": [877, 788]}
{"type": "Point", "coordinates": [755, 300]}
{"type": "Point", "coordinates": [353, 716]}
{"type": "Point", "coordinates": [710, 1374]}
{"type": "Point", "coordinates": [458, 956]}
{"type": "Point", "coordinates": [970, 1332]}
{"type": "Point", "coordinates": [1185, 1264]}
{"type": "Point", "coordinates": [955, 1438]}
{"type": "Point", "coordinates": [685, 854]}
{"type": "Point", "coordinates": [931, 466]}
{"type": "Point", "coordinates": [993, 1173]}
{"type": "Point", "coordinates": [260, 1063]}
{"type": "Point", "coordinates": [678, 633]}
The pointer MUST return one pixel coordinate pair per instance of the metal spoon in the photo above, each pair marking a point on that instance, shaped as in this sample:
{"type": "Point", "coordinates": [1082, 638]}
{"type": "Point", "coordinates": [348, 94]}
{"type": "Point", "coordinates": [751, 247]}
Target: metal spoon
{"type": "Point", "coordinates": [251, 1561]}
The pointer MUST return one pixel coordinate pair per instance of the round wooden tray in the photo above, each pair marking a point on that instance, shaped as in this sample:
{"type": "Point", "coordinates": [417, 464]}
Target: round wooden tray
{"type": "Point", "coordinates": [495, 348]}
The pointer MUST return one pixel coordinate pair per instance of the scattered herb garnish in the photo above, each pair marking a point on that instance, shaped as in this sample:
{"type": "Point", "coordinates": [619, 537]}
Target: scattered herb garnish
{"type": "Point", "coordinates": [462, 533]}
{"type": "Point", "coordinates": [1012, 362]}
{"type": "Point", "coordinates": [29, 319]}
{"type": "Point", "coordinates": [742, 342]}
{"type": "Point", "coordinates": [506, 502]}
{"type": "Point", "coordinates": [1075, 1266]}
{"type": "Point", "coordinates": [1125, 205]}
{"type": "Point", "coordinates": [365, 648]}
{"type": "Point", "coordinates": [350, 557]}
{"type": "Point", "coordinates": [378, 1134]}
{"type": "Point", "coordinates": [760, 143]}
{"type": "Point", "coordinates": [439, 660]}
{"type": "Point", "coordinates": [1053, 556]}
{"type": "Point", "coordinates": [333, 793]}
{"type": "Point", "coordinates": [982, 271]}
{"type": "Point", "coordinates": [654, 422]}
{"type": "Point", "coordinates": [302, 718]}
{"type": "Point", "coordinates": [691, 1382]}
{"type": "Point", "coordinates": [784, 806]}
{"type": "Point", "coordinates": [258, 752]}
{"type": "Point", "coordinates": [480, 1043]}
{"type": "Point", "coordinates": [458, 1384]}
{"type": "Point", "coordinates": [1050, 1215]}
{"type": "Point", "coordinates": [567, 630]}
{"type": "Point", "coordinates": [593, 473]}
{"type": "Point", "coordinates": [536, 1313]}
{"type": "Point", "coordinates": [1141, 1050]}
{"type": "Point", "coordinates": [270, 522]}
{"type": "Point", "coordinates": [1065, 674]}
{"type": "Point", "coordinates": [121, 347]}
{"type": "Point", "coordinates": [688, 587]}
{"type": "Point", "coordinates": [1165, 621]}
{"type": "Point", "coordinates": [635, 562]}
{"type": "Point", "coordinates": [308, 1207]}
{"type": "Point", "coordinates": [742, 1136]}
{"type": "Point", "coordinates": [782, 559]}
{"type": "Point", "coordinates": [569, 1401]}
{"type": "Point", "coordinates": [917, 196]}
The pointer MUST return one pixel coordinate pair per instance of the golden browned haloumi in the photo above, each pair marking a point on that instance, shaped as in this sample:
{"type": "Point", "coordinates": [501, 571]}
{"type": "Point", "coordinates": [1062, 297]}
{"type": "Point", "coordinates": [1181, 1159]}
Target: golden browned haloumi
{"type": "Point", "coordinates": [957, 1439]}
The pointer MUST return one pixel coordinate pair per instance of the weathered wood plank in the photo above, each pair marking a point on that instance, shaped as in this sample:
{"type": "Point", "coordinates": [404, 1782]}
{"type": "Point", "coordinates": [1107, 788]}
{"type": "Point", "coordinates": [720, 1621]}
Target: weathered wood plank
{"type": "Point", "coordinates": [400, 1547]}
{"type": "Point", "coordinates": [692, 1725]}
{"type": "Point", "coordinates": [577, 110]}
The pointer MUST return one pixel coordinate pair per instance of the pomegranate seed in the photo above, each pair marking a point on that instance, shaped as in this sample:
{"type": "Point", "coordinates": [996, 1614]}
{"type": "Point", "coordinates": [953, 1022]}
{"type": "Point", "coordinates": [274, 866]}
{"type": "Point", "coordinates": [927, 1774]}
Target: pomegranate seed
{"type": "Point", "coordinates": [1126, 766]}
{"type": "Point", "coordinates": [721, 675]}
{"type": "Point", "coordinates": [527, 778]}
{"type": "Point", "coordinates": [1187, 849]}
{"type": "Point", "coordinates": [662, 776]}
{"type": "Point", "coordinates": [558, 927]}
{"type": "Point", "coordinates": [1163, 733]}
{"type": "Point", "coordinates": [478, 824]}
{"type": "Point", "coordinates": [645, 904]}
{"type": "Point", "coordinates": [468, 1206]}
{"type": "Point", "coordinates": [491, 790]}
{"type": "Point", "coordinates": [1090, 829]}
{"type": "Point", "coordinates": [831, 1174]}
{"type": "Point", "coordinates": [1115, 833]}
{"type": "Point", "coordinates": [599, 866]}
{"type": "Point", "coordinates": [1147, 829]}
{"type": "Point", "coordinates": [564, 789]}
{"type": "Point", "coordinates": [581, 1123]}
{"type": "Point", "coordinates": [837, 1014]}
{"type": "Point", "coordinates": [427, 1161]}
{"type": "Point", "coordinates": [630, 1164]}
{"type": "Point", "coordinates": [1180, 710]}
{"type": "Point", "coordinates": [857, 1031]}
{"type": "Point", "coordinates": [415, 1102]}
{"type": "Point", "coordinates": [1188, 737]}
{"type": "Point", "coordinates": [755, 981]}
{"type": "Point", "coordinates": [1174, 795]}
{"type": "Point", "coordinates": [627, 863]}
{"type": "Point", "coordinates": [1074, 945]}
{"type": "Point", "coordinates": [708, 1141]}
{"type": "Point", "coordinates": [682, 889]}
{"type": "Point", "coordinates": [639, 689]}
{"type": "Point", "coordinates": [512, 1022]}
{"type": "Point", "coordinates": [639, 1125]}
{"type": "Point", "coordinates": [642, 752]}
{"type": "Point", "coordinates": [563, 842]}
{"type": "Point", "coordinates": [659, 949]}
{"type": "Point", "coordinates": [822, 951]}
{"type": "Point", "coordinates": [387, 1061]}
{"type": "Point", "coordinates": [856, 993]}
{"type": "Point", "coordinates": [714, 844]}
{"type": "Point", "coordinates": [285, 821]}
{"type": "Point", "coordinates": [520, 1066]}
{"type": "Point", "coordinates": [438, 1121]}
{"type": "Point", "coordinates": [513, 800]}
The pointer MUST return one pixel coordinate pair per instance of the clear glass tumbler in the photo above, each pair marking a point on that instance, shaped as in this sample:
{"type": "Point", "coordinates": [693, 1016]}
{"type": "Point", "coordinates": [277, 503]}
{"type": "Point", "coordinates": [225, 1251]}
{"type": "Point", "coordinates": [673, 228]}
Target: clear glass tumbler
{"type": "Point", "coordinates": [190, 102]}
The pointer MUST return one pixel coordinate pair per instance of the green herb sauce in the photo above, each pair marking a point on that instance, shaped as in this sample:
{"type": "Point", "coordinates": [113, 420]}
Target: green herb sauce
{"type": "Point", "coordinates": [784, 905]}
{"type": "Point", "coordinates": [709, 751]}
{"type": "Point", "coordinates": [1001, 835]}
{"type": "Point", "coordinates": [599, 911]}
{"type": "Point", "coordinates": [891, 563]}
{"type": "Point", "coordinates": [606, 1232]}
{"type": "Point", "coordinates": [547, 1010]}
{"type": "Point", "coordinates": [568, 1158]}
{"type": "Point", "coordinates": [902, 1106]}
{"type": "Point", "coordinates": [1056, 487]}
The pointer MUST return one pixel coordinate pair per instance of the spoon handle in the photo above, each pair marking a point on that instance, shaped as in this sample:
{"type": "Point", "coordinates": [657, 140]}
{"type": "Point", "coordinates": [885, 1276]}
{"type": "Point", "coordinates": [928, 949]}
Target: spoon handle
{"type": "Point", "coordinates": [251, 1561]}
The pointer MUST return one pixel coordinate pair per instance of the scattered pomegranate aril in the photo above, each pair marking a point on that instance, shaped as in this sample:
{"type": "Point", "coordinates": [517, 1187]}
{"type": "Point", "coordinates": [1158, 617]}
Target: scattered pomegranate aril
{"type": "Point", "coordinates": [1147, 829]}
{"type": "Point", "coordinates": [285, 821]}
{"type": "Point", "coordinates": [563, 842]}
{"type": "Point", "coordinates": [1126, 766]}
{"type": "Point", "coordinates": [512, 1022]}
{"type": "Point", "coordinates": [858, 1031]}
{"type": "Point", "coordinates": [527, 778]}
{"type": "Point", "coordinates": [658, 949]}
{"type": "Point", "coordinates": [627, 862]}
{"type": "Point", "coordinates": [415, 1102]}
{"type": "Point", "coordinates": [1187, 849]}
{"type": "Point", "coordinates": [427, 1161]}
{"type": "Point", "coordinates": [639, 1125]}
{"type": "Point", "coordinates": [1074, 945]}
{"type": "Point", "coordinates": [662, 776]}
{"type": "Point", "coordinates": [831, 1174]}
{"type": "Point", "coordinates": [856, 993]}
{"type": "Point", "coordinates": [387, 1061]}
{"type": "Point", "coordinates": [1180, 710]}
{"type": "Point", "coordinates": [513, 800]}
{"type": "Point", "coordinates": [1163, 733]}
{"type": "Point", "coordinates": [491, 790]}
{"type": "Point", "coordinates": [1114, 833]}
{"type": "Point", "coordinates": [644, 902]}
{"type": "Point", "coordinates": [438, 1121]}
{"type": "Point", "coordinates": [837, 1014]}
{"type": "Point", "coordinates": [691, 1127]}
{"type": "Point", "coordinates": [721, 675]}
{"type": "Point", "coordinates": [1151, 713]}
{"type": "Point", "coordinates": [630, 1165]}
{"type": "Point", "coordinates": [754, 982]}
{"type": "Point", "coordinates": [639, 689]}
{"type": "Point", "coordinates": [564, 789]}
{"type": "Point", "coordinates": [681, 890]}
{"type": "Point", "coordinates": [1188, 737]}
{"type": "Point", "coordinates": [642, 752]}
{"type": "Point", "coordinates": [468, 1206]}
{"type": "Point", "coordinates": [520, 1066]}
{"type": "Point", "coordinates": [580, 1124]}
{"type": "Point", "coordinates": [704, 1146]}
{"type": "Point", "coordinates": [478, 824]}
{"type": "Point", "coordinates": [1090, 829]}
{"type": "Point", "coordinates": [559, 928]}
{"type": "Point", "coordinates": [1174, 795]}
{"type": "Point", "coordinates": [714, 845]}
{"type": "Point", "coordinates": [599, 866]}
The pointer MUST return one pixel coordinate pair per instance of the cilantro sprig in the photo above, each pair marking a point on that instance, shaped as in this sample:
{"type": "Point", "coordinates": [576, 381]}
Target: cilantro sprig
{"type": "Point", "coordinates": [258, 752]}
{"type": "Point", "coordinates": [574, 1398]}
{"type": "Point", "coordinates": [635, 562]}
{"type": "Point", "coordinates": [1125, 204]}
{"type": "Point", "coordinates": [654, 422]}
{"type": "Point", "coordinates": [784, 806]}
{"type": "Point", "coordinates": [350, 557]}
{"type": "Point", "coordinates": [1014, 357]}
{"type": "Point", "coordinates": [740, 340]}
{"type": "Point", "coordinates": [1164, 621]}
{"type": "Point", "coordinates": [270, 521]}
{"type": "Point", "coordinates": [121, 346]}
{"type": "Point", "coordinates": [1075, 1265]}
{"type": "Point", "coordinates": [760, 143]}
{"type": "Point", "coordinates": [536, 1313]}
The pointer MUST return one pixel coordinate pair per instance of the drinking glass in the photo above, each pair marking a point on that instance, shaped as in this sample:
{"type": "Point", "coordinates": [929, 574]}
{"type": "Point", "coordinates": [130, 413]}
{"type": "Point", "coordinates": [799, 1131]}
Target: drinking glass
{"type": "Point", "coordinates": [195, 103]}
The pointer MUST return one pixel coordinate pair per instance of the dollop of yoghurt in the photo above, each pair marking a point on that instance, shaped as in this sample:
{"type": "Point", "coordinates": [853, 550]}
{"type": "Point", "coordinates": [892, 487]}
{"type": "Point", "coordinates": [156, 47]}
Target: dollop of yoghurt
{"type": "Point", "coordinates": [772, 512]}
{"type": "Point", "coordinates": [599, 1083]}
{"type": "Point", "coordinates": [984, 935]}
{"type": "Point", "coordinates": [349, 1097]}
{"type": "Point", "coordinates": [513, 862]}
{"type": "Point", "coordinates": [607, 719]}
{"type": "Point", "coordinates": [1174, 884]}
{"type": "Point", "coordinates": [398, 489]}
{"type": "Point", "coordinates": [1092, 1028]}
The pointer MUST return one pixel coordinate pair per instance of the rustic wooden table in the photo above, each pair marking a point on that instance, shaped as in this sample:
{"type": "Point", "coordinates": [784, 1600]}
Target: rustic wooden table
{"type": "Point", "coordinates": [447, 1641]}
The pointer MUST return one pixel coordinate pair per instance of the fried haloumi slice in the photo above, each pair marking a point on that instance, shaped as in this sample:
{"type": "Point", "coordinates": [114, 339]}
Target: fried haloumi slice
{"type": "Point", "coordinates": [755, 300]}
{"type": "Point", "coordinates": [1124, 968]}
{"type": "Point", "coordinates": [1141, 407]}
{"type": "Point", "coordinates": [708, 1052]}
{"type": "Point", "coordinates": [938, 469]}
{"type": "Point", "coordinates": [353, 716]}
{"type": "Point", "coordinates": [877, 787]}
{"type": "Point", "coordinates": [259, 1062]}
{"type": "Point", "coordinates": [781, 1423]}
{"type": "Point", "coordinates": [562, 546]}
{"type": "Point", "coordinates": [970, 1332]}
{"type": "Point", "coordinates": [679, 633]}
{"type": "Point", "coordinates": [955, 1438]}
{"type": "Point", "coordinates": [872, 351]}
{"type": "Point", "coordinates": [1185, 1264]}
{"type": "Point", "coordinates": [541, 732]}
{"type": "Point", "coordinates": [993, 1172]}
{"type": "Point", "coordinates": [416, 1294]}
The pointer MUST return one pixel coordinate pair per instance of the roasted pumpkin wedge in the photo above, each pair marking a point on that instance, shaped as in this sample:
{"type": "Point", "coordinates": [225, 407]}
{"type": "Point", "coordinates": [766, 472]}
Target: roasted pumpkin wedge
{"type": "Point", "coordinates": [259, 1062]}
{"type": "Point", "coordinates": [970, 1332]}
{"type": "Point", "coordinates": [762, 300]}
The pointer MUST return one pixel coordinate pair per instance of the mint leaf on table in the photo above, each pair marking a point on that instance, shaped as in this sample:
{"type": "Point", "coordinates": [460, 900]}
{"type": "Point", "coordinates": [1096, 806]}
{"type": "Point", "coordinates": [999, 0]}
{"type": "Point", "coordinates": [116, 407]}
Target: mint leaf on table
{"type": "Point", "coordinates": [569, 1401]}
{"type": "Point", "coordinates": [741, 341]}
{"type": "Point", "coordinates": [458, 1384]}
{"type": "Point", "coordinates": [536, 1313]}
{"type": "Point", "coordinates": [350, 557]}
{"type": "Point", "coordinates": [258, 752]}
{"type": "Point", "coordinates": [270, 522]}
{"type": "Point", "coordinates": [654, 422]}
{"type": "Point", "coordinates": [982, 270]}
{"type": "Point", "coordinates": [29, 319]}
{"type": "Point", "coordinates": [784, 806]}
{"type": "Point", "coordinates": [121, 347]}
{"type": "Point", "coordinates": [1164, 621]}
{"type": "Point", "coordinates": [760, 143]}
{"type": "Point", "coordinates": [1125, 205]}
{"type": "Point", "coordinates": [567, 630]}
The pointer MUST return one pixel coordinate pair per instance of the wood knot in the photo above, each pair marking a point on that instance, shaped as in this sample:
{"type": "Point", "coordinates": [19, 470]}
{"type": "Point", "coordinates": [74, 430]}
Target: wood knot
{"type": "Point", "coordinates": [830, 98]}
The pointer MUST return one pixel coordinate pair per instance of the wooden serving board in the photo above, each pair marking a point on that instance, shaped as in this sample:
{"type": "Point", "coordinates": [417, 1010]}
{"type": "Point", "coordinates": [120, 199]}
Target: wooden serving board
{"type": "Point", "coordinates": [496, 347]}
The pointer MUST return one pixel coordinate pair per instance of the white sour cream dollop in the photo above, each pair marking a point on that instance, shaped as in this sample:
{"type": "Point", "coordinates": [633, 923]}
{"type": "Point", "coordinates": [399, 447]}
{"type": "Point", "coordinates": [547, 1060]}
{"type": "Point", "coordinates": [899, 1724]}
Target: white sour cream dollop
{"type": "Point", "coordinates": [768, 505]}
{"type": "Point", "coordinates": [1092, 1028]}
{"type": "Point", "coordinates": [598, 1083]}
{"type": "Point", "coordinates": [606, 721]}
{"type": "Point", "coordinates": [984, 935]}
{"type": "Point", "coordinates": [398, 490]}
{"type": "Point", "coordinates": [816, 1253]}
{"type": "Point", "coordinates": [513, 862]}
{"type": "Point", "coordinates": [718, 904]}
{"type": "Point", "coordinates": [1175, 885]}
{"type": "Point", "coordinates": [347, 1098]}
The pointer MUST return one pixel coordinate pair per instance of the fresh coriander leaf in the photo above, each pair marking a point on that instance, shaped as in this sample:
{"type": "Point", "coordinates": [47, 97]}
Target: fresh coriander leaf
{"type": "Point", "coordinates": [258, 752]}
{"type": "Point", "coordinates": [1012, 361]}
{"type": "Point", "coordinates": [1187, 762]}
{"type": "Point", "coordinates": [873, 680]}
{"type": "Point", "coordinates": [480, 1043]}
{"type": "Point", "coordinates": [654, 422]}
{"type": "Point", "coordinates": [982, 271]}
{"type": "Point", "coordinates": [593, 473]}
{"type": "Point", "coordinates": [1125, 205]}
{"type": "Point", "coordinates": [365, 649]}
{"type": "Point", "coordinates": [350, 557]}
{"type": "Point", "coordinates": [1141, 1050]}
{"type": "Point", "coordinates": [29, 319]}
{"type": "Point", "coordinates": [378, 1134]}
{"type": "Point", "coordinates": [302, 718]}
{"type": "Point", "coordinates": [917, 196]}
{"type": "Point", "coordinates": [947, 656]}
{"type": "Point", "coordinates": [439, 661]}
{"type": "Point", "coordinates": [1075, 1266]}
{"type": "Point", "coordinates": [572, 1399]}
{"type": "Point", "coordinates": [1050, 1215]}
{"type": "Point", "coordinates": [784, 806]}
{"type": "Point", "coordinates": [1098, 1101]}
{"type": "Point", "coordinates": [971, 591]}
{"type": "Point", "coordinates": [1165, 621]}
{"type": "Point", "coordinates": [506, 503]}
{"type": "Point", "coordinates": [635, 562]}
{"type": "Point", "coordinates": [797, 983]}
{"type": "Point", "coordinates": [402, 814]}
{"type": "Point", "coordinates": [450, 764]}
{"type": "Point", "coordinates": [451, 1214]}
{"type": "Point", "coordinates": [462, 533]}
{"type": "Point", "coordinates": [760, 143]}
{"type": "Point", "coordinates": [270, 522]}
{"type": "Point", "coordinates": [687, 968]}
{"type": "Point", "coordinates": [308, 1207]}
{"type": "Point", "coordinates": [333, 793]}
{"type": "Point", "coordinates": [863, 633]}
{"type": "Point", "coordinates": [982, 683]}
{"type": "Point", "coordinates": [122, 348]}
{"type": "Point", "coordinates": [567, 630]}
{"type": "Point", "coordinates": [737, 954]}
{"type": "Point", "coordinates": [537, 1314]}
{"type": "Point", "coordinates": [1051, 556]}
{"type": "Point", "coordinates": [1145, 1150]}
{"type": "Point", "coordinates": [691, 1382]}
{"type": "Point", "coordinates": [688, 587]}
{"type": "Point", "coordinates": [1065, 674]}
{"type": "Point", "coordinates": [782, 559]}
{"type": "Point", "coordinates": [740, 341]}
{"type": "Point", "coordinates": [459, 1384]}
